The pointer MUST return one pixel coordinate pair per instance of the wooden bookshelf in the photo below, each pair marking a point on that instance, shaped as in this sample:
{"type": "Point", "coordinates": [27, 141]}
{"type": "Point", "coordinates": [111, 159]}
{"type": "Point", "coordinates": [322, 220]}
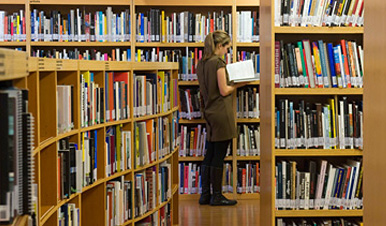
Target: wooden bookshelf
{"type": "Point", "coordinates": [169, 44]}
{"type": "Point", "coordinates": [271, 95]}
{"type": "Point", "coordinates": [13, 44]}
{"type": "Point", "coordinates": [79, 44]}
{"type": "Point", "coordinates": [248, 44]}
{"type": "Point", "coordinates": [46, 150]}
{"type": "Point", "coordinates": [188, 83]}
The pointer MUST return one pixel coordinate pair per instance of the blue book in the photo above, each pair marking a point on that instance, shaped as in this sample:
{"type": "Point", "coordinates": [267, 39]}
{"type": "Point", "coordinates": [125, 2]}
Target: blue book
{"type": "Point", "coordinates": [326, 81]}
{"type": "Point", "coordinates": [142, 38]}
{"type": "Point", "coordinates": [101, 26]}
{"type": "Point", "coordinates": [330, 50]}
{"type": "Point", "coordinates": [96, 152]}
{"type": "Point", "coordinates": [258, 64]}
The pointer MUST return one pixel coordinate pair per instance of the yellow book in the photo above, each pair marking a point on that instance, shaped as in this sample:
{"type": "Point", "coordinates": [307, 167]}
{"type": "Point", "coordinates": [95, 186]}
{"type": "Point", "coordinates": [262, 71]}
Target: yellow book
{"type": "Point", "coordinates": [18, 26]}
{"type": "Point", "coordinates": [139, 55]}
{"type": "Point", "coordinates": [332, 106]}
{"type": "Point", "coordinates": [118, 147]}
{"type": "Point", "coordinates": [105, 27]}
{"type": "Point", "coordinates": [136, 148]}
{"type": "Point", "coordinates": [161, 75]}
{"type": "Point", "coordinates": [163, 28]}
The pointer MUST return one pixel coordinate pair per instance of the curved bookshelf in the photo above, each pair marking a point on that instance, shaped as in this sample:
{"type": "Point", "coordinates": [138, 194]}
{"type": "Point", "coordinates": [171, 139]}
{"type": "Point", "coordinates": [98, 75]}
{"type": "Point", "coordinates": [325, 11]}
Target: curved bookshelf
{"type": "Point", "coordinates": [188, 83]}
{"type": "Point", "coordinates": [319, 91]}
{"type": "Point", "coordinates": [318, 30]}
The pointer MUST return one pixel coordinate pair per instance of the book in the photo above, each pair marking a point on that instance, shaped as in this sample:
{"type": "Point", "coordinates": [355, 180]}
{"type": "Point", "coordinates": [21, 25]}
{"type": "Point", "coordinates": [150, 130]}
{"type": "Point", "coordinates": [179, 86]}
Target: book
{"type": "Point", "coordinates": [242, 71]}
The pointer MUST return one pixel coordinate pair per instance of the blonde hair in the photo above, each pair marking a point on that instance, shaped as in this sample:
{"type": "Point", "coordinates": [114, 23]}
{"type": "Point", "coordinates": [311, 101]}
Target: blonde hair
{"type": "Point", "coordinates": [212, 40]}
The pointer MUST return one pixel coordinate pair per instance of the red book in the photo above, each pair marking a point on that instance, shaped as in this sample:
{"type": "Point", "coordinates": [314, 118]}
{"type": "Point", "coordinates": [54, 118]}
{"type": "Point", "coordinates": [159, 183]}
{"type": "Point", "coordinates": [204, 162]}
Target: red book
{"type": "Point", "coordinates": [195, 60]}
{"type": "Point", "coordinates": [346, 68]}
{"type": "Point", "coordinates": [195, 142]}
{"type": "Point", "coordinates": [347, 181]}
{"type": "Point", "coordinates": [5, 26]}
{"type": "Point", "coordinates": [211, 25]}
{"type": "Point", "coordinates": [123, 77]}
{"type": "Point", "coordinates": [277, 64]}
{"type": "Point", "coordinates": [257, 174]}
{"type": "Point", "coordinates": [243, 180]}
{"type": "Point", "coordinates": [186, 179]}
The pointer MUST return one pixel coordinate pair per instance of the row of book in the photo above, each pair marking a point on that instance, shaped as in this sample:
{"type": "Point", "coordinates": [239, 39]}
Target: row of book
{"type": "Point", "coordinates": [190, 103]}
{"type": "Point", "coordinates": [68, 214]}
{"type": "Point", "coordinates": [247, 26]}
{"type": "Point", "coordinates": [246, 55]}
{"type": "Point", "coordinates": [12, 26]}
{"type": "Point", "coordinates": [193, 140]}
{"type": "Point", "coordinates": [65, 98]}
{"type": "Point", "coordinates": [319, 13]}
{"type": "Point", "coordinates": [155, 26]}
{"type": "Point", "coordinates": [321, 185]}
{"type": "Point", "coordinates": [146, 189]}
{"type": "Point", "coordinates": [91, 100]}
{"type": "Point", "coordinates": [118, 150]}
{"type": "Point", "coordinates": [145, 142]}
{"type": "Point", "coordinates": [248, 102]}
{"type": "Point", "coordinates": [162, 217]}
{"type": "Point", "coordinates": [248, 140]}
{"type": "Point", "coordinates": [117, 96]}
{"type": "Point", "coordinates": [80, 26]}
{"type": "Point", "coordinates": [168, 137]}
{"type": "Point", "coordinates": [318, 222]}
{"type": "Point", "coordinates": [118, 202]}
{"type": "Point", "coordinates": [116, 54]}
{"type": "Point", "coordinates": [154, 93]}
{"type": "Point", "coordinates": [318, 64]}
{"type": "Point", "coordinates": [17, 192]}
{"type": "Point", "coordinates": [320, 125]}
{"type": "Point", "coordinates": [248, 178]}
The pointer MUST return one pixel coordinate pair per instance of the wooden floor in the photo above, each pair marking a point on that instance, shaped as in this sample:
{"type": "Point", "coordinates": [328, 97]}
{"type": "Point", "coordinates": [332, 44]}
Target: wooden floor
{"type": "Point", "coordinates": [246, 212]}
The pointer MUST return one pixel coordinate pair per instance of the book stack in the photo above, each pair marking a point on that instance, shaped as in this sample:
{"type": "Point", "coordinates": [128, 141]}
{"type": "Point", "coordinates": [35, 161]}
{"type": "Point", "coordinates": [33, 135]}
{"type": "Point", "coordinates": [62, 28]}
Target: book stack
{"type": "Point", "coordinates": [321, 185]}
{"type": "Point", "coordinates": [65, 108]}
{"type": "Point", "coordinates": [319, 125]}
{"type": "Point", "coordinates": [145, 142]}
{"type": "Point", "coordinates": [16, 164]}
{"type": "Point", "coordinates": [323, 221]}
{"type": "Point", "coordinates": [248, 102]}
{"type": "Point", "coordinates": [91, 100]}
{"type": "Point", "coordinates": [190, 103]}
{"type": "Point", "coordinates": [118, 149]}
{"type": "Point", "coordinates": [248, 178]}
{"type": "Point", "coordinates": [165, 215]}
{"type": "Point", "coordinates": [227, 181]}
{"type": "Point", "coordinates": [154, 93]}
{"type": "Point", "coordinates": [248, 140]}
{"type": "Point", "coordinates": [164, 137]}
{"type": "Point", "coordinates": [117, 96]}
{"type": "Point", "coordinates": [69, 175]}
{"type": "Point", "coordinates": [12, 26]}
{"type": "Point", "coordinates": [193, 140]}
{"type": "Point", "coordinates": [157, 55]}
{"type": "Point", "coordinates": [247, 26]}
{"type": "Point", "coordinates": [164, 182]}
{"type": "Point", "coordinates": [68, 214]}
{"type": "Point", "coordinates": [190, 178]}
{"type": "Point", "coordinates": [149, 220]}
{"type": "Point", "coordinates": [155, 26]}
{"type": "Point", "coordinates": [145, 191]}
{"type": "Point", "coordinates": [116, 54]}
{"type": "Point", "coordinates": [318, 64]}
{"type": "Point", "coordinates": [80, 26]}
{"type": "Point", "coordinates": [324, 13]}
{"type": "Point", "coordinates": [118, 202]}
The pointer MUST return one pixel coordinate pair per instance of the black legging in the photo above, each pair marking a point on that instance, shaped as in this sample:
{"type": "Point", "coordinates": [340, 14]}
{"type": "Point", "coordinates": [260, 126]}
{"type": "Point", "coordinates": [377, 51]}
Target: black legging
{"type": "Point", "coordinates": [215, 153]}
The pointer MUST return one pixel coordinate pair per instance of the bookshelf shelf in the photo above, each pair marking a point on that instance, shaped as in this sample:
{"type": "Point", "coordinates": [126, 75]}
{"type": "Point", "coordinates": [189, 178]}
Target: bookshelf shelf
{"type": "Point", "coordinates": [318, 91]}
{"type": "Point", "coordinates": [145, 166]}
{"type": "Point", "coordinates": [11, 77]}
{"type": "Point", "coordinates": [254, 3]}
{"type": "Point", "coordinates": [13, 44]}
{"type": "Point", "coordinates": [188, 83]}
{"type": "Point", "coordinates": [80, 44]}
{"type": "Point", "coordinates": [199, 158]}
{"type": "Point", "coordinates": [169, 44]}
{"type": "Point", "coordinates": [81, 2]}
{"type": "Point", "coordinates": [153, 65]}
{"type": "Point", "coordinates": [94, 127]}
{"type": "Point", "coordinates": [183, 3]}
{"type": "Point", "coordinates": [248, 158]}
{"type": "Point", "coordinates": [16, 2]}
{"type": "Point", "coordinates": [248, 44]}
{"type": "Point", "coordinates": [318, 30]}
{"type": "Point", "coordinates": [193, 121]}
{"type": "Point", "coordinates": [319, 213]}
{"type": "Point", "coordinates": [147, 117]}
{"type": "Point", "coordinates": [247, 120]}
{"type": "Point", "coordinates": [318, 152]}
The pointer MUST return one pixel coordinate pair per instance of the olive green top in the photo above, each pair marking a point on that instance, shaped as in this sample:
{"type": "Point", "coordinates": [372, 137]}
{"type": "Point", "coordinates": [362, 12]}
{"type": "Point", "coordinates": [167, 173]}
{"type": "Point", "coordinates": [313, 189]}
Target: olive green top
{"type": "Point", "coordinates": [218, 110]}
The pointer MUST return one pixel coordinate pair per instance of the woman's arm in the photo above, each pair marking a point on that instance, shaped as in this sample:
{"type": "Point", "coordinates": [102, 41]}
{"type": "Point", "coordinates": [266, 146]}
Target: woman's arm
{"type": "Point", "coordinates": [224, 88]}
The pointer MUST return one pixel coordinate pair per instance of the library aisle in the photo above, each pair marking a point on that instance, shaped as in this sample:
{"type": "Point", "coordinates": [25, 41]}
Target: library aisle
{"type": "Point", "coordinates": [246, 212]}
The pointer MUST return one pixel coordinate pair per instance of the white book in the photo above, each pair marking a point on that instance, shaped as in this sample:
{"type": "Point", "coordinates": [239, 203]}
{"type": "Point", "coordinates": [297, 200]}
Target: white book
{"type": "Point", "coordinates": [242, 71]}
{"type": "Point", "coordinates": [307, 190]}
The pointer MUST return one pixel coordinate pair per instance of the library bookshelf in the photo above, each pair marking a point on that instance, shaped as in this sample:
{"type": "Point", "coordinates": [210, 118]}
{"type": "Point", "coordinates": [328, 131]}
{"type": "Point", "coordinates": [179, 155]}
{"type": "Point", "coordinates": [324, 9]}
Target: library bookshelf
{"type": "Point", "coordinates": [44, 76]}
{"type": "Point", "coordinates": [271, 154]}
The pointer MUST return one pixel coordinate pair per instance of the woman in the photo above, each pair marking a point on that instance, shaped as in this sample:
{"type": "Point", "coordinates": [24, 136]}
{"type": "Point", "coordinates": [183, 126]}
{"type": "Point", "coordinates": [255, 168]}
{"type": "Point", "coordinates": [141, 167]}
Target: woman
{"type": "Point", "coordinates": [218, 113]}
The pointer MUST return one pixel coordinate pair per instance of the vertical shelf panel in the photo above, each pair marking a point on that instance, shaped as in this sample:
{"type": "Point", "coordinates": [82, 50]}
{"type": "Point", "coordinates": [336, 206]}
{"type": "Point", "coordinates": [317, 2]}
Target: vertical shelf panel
{"type": "Point", "coordinates": [52, 221]}
{"type": "Point", "coordinates": [47, 100]}
{"type": "Point", "coordinates": [48, 179]}
{"type": "Point", "coordinates": [101, 154]}
{"type": "Point", "coordinates": [33, 102]}
{"type": "Point", "coordinates": [93, 206]}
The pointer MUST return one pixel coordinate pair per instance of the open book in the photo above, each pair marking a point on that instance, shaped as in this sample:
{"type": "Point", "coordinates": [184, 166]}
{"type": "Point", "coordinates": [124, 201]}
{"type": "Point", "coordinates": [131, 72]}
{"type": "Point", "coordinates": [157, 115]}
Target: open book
{"type": "Point", "coordinates": [242, 71]}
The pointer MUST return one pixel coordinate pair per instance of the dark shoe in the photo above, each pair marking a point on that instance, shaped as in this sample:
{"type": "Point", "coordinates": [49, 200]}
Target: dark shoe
{"type": "Point", "coordinates": [205, 185]}
{"type": "Point", "coordinates": [218, 199]}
